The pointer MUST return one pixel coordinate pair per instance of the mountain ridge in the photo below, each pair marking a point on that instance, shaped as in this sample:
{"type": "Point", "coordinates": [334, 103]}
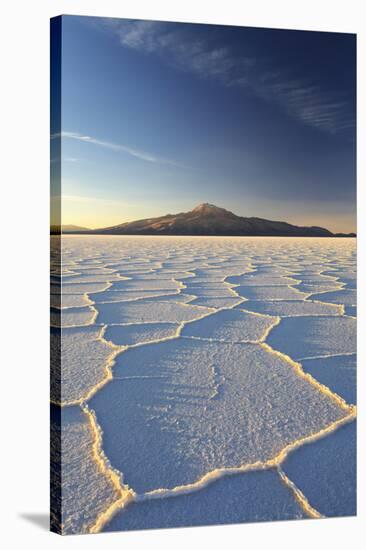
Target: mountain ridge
{"type": "Point", "coordinates": [210, 220]}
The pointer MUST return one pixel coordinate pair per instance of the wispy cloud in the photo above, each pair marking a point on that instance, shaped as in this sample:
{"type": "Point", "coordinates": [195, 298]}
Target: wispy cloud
{"type": "Point", "coordinates": [142, 155]}
{"type": "Point", "coordinates": [303, 100]}
{"type": "Point", "coordinates": [306, 101]}
{"type": "Point", "coordinates": [178, 47]}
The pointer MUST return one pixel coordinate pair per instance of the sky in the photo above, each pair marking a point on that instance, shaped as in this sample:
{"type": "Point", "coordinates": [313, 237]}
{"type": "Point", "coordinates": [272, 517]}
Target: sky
{"type": "Point", "coordinates": [158, 117]}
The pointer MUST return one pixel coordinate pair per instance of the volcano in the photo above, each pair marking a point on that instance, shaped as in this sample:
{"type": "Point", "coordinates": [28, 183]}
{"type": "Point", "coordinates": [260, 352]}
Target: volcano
{"type": "Point", "coordinates": [210, 220]}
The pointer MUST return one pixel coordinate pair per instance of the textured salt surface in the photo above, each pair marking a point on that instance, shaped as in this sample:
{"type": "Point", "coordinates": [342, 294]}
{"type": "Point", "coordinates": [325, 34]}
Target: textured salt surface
{"type": "Point", "coordinates": [126, 335]}
{"type": "Point", "coordinates": [75, 300]}
{"type": "Point", "coordinates": [193, 406]}
{"type": "Point", "coordinates": [291, 308]}
{"type": "Point", "coordinates": [83, 288]}
{"type": "Point", "coordinates": [313, 288]}
{"type": "Point", "coordinates": [149, 312]}
{"type": "Point", "coordinates": [188, 407]}
{"type": "Point", "coordinates": [146, 284]}
{"type": "Point", "coordinates": [262, 279]}
{"type": "Point", "coordinates": [85, 490]}
{"type": "Point", "coordinates": [84, 357]}
{"type": "Point", "coordinates": [72, 317]}
{"type": "Point", "coordinates": [230, 326]}
{"type": "Point", "coordinates": [302, 337]}
{"type": "Point", "coordinates": [350, 310]}
{"type": "Point", "coordinates": [217, 290]}
{"type": "Point", "coordinates": [125, 296]}
{"type": "Point", "coordinates": [338, 372]}
{"type": "Point", "coordinates": [269, 293]}
{"type": "Point", "coordinates": [346, 297]}
{"type": "Point", "coordinates": [217, 303]}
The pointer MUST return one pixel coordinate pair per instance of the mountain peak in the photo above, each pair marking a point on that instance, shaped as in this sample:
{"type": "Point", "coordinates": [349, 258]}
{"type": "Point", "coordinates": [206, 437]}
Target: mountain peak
{"type": "Point", "coordinates": [206, 207]}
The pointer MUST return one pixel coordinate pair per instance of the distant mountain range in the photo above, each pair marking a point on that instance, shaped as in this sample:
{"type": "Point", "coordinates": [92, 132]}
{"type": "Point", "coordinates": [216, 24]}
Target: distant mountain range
{"type": "Point", "coordinates": [72, 228]}
{"type": "Point", "coordinates": [55, 229]}
{"type": "Point", "coordinates": [209, 220]}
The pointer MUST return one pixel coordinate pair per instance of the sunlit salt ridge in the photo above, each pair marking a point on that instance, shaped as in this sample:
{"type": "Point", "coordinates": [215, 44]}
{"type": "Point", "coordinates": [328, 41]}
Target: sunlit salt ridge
{"type": "Point", "coordinates": [172, 333]}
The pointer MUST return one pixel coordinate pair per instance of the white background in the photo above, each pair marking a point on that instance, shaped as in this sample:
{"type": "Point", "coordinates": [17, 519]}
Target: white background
{"type": "Point", "coordinates": [24, 131]}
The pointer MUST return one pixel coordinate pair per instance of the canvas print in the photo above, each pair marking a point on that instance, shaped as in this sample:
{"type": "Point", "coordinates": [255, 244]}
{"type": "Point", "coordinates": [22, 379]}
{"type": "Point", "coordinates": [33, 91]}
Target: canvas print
{"type": "Point", "coordinates": [203, 274]}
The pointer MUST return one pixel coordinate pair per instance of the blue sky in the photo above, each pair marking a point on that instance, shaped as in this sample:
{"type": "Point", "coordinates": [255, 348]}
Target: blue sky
{"type": "Point", "coordinates": [158, 117]}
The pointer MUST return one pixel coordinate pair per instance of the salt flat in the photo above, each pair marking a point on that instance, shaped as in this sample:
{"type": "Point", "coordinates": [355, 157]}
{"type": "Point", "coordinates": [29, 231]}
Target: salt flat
{"type": "Point", "coordinates": [197, 368]}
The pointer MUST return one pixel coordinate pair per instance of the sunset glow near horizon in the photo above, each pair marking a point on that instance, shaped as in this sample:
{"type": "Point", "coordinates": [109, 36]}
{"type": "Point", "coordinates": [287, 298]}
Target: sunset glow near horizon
{"type": "Point", "coordinates": [159, 117]}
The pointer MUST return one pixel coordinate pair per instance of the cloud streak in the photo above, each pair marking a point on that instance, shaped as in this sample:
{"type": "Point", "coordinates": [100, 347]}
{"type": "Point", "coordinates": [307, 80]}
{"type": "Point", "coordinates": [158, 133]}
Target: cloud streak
{"type": "Point", "coordinates": [301, 99]}
{"type": "Point", "coordinates": [177, 47]}
{"type": "Point", "coordinates": [305, 101]}
{"type": "Point", "coordinates": [118, 148]}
